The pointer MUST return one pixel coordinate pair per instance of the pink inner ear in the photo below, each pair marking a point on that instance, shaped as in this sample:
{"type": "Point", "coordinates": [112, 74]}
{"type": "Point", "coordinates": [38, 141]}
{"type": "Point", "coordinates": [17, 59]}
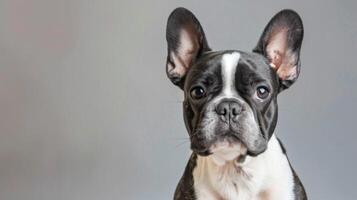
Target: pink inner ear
{"type": "Point", "coordinates": [186, 53]}
{"type": "Point", "coordinates": [281, 58]}
{"type": "Point", "coordinates": [276, 48]}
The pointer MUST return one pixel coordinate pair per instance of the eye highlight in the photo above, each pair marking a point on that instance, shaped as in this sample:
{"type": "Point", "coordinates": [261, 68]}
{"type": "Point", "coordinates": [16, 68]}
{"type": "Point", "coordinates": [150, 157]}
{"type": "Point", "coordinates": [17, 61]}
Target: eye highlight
{"type": "Point", "coordinates": [262, 92]}
{"type": "Point", "coordinates": [197, 92]}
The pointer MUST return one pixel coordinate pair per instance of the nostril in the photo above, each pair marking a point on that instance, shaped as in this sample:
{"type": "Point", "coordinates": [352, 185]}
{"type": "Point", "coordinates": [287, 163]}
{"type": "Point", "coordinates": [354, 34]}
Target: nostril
{"type": "Point", "coordinates": [236, 111]}
{"type": "Point", "coordinates": [222, 111]}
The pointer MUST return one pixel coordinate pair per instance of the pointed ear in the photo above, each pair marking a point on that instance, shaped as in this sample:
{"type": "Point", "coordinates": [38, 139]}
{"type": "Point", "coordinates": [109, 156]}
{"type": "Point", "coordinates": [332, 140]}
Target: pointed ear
{"type": "Point", "coordinates": [186, 41]}
{"type": "Point", "coordinates": [280, 43]}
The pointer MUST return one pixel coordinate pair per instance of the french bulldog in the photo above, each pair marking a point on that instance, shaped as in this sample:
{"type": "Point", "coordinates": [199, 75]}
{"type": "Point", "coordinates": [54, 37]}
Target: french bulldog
{"type": "Point", "coordinates": [230, 110]}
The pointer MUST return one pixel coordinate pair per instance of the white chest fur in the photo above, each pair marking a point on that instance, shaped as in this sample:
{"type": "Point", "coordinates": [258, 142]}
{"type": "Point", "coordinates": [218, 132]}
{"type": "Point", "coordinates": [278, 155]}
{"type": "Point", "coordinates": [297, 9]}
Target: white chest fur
{"type": "Point", "coordinates": [265, 177]}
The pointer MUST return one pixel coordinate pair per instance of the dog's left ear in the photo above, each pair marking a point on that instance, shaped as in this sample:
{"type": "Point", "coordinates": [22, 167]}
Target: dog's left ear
{"type": "Point", "coordinates": [186, 41]}
{"type": "Point", "coordinates": [280, 43]}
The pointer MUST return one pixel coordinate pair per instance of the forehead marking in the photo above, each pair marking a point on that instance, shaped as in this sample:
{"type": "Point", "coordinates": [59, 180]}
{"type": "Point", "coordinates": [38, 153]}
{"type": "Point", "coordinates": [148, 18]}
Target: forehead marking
{"type": "Point", "coordinates": [229, 65]}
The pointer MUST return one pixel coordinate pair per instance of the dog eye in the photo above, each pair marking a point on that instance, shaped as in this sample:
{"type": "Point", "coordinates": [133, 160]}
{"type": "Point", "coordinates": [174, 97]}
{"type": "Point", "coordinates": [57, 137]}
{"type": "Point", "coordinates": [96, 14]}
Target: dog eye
{"type": "Point", "coordinates": [262, 92]}
{"type": "Point", "coordinates": [197, 92]}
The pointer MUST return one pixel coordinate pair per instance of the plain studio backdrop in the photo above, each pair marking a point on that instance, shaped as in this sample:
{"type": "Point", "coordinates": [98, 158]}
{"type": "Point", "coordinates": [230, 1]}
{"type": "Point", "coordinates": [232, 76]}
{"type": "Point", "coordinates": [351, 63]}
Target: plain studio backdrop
{"type": "Point", "coordinates": [86, 110]}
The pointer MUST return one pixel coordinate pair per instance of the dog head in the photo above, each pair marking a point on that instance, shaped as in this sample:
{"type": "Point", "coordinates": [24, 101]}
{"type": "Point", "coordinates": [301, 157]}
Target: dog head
{"type": "Point", "coordinates": [230, 97]}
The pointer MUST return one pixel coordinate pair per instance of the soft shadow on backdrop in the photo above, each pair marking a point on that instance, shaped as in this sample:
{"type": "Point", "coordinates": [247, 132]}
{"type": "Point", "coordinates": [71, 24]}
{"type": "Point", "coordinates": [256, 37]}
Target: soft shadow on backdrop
{"type": "Point", "coordinates": [86, 110]}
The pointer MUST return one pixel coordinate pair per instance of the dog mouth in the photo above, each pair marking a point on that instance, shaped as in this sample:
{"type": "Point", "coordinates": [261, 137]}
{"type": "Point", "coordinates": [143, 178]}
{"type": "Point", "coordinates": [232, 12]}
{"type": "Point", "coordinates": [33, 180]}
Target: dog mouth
{"type": "Point", "coordinates": [226, 148]}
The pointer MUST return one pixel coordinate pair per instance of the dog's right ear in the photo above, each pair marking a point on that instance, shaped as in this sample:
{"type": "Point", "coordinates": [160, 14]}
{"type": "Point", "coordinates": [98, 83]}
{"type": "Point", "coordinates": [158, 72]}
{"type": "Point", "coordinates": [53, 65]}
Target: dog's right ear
{"type": "Point", "coordinates": [186, 41]}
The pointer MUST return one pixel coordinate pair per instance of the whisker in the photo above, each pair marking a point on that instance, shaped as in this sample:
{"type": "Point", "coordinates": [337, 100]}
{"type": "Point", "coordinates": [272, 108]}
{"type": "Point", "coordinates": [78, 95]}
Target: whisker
{"type": "Point", "coordinates": [185, 138]}
{"type": "Point", "coordinates": [182, 143]}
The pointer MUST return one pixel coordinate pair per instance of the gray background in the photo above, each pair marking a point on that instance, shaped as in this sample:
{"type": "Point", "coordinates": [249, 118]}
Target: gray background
{"type": "Point", "coordinates": [86, 110]}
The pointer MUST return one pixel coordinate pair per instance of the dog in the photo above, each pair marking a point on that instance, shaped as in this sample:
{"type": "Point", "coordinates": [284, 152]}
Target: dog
{"type": "Point", "coordinates": [230, 110]}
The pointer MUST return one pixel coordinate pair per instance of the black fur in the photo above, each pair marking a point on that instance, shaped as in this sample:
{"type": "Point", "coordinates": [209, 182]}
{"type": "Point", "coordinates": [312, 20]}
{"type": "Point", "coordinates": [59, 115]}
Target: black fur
{"type": "Point", "coordinates": [185, 189]}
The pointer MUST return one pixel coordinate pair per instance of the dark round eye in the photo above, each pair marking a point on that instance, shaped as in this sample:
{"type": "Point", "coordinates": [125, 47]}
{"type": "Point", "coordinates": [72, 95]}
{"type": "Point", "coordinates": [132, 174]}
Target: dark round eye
{"type": "Point", "coordinates": [262, 92]}
{"type": "Point", "coordinates": [197, 92]}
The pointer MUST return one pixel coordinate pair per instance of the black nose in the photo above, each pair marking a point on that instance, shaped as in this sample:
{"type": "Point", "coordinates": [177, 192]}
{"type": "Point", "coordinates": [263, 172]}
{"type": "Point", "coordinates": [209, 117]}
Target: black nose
{"type": "Point", "coordinates": [228, 110]}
